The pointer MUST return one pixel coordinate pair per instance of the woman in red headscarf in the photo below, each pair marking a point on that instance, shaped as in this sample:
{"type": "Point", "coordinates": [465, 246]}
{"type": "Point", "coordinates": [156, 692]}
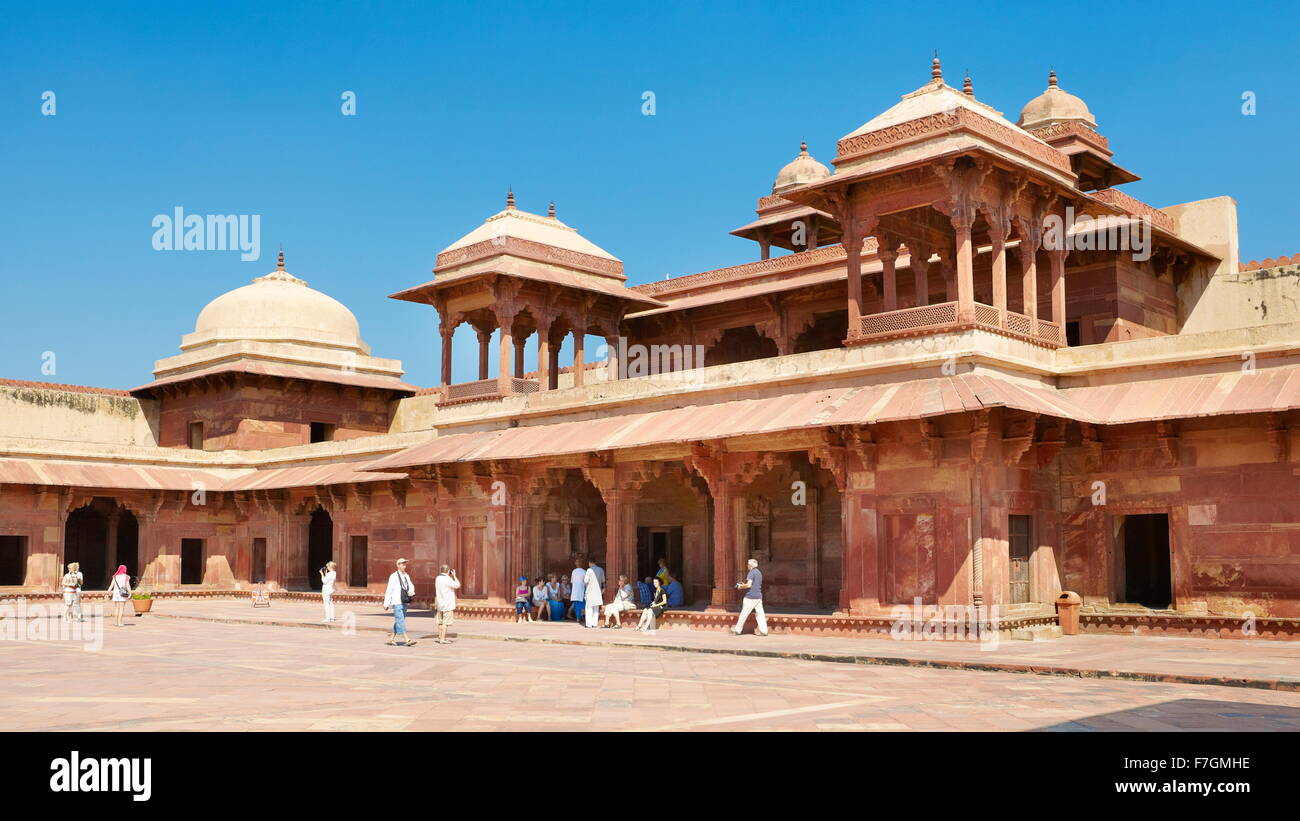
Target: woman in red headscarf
{"type": "Point", "coordinates": [120, 587]}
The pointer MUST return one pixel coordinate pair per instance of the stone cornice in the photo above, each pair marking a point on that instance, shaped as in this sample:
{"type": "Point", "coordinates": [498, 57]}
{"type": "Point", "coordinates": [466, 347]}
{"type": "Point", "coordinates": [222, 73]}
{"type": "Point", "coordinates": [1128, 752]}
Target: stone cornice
{"type": "Point", "coordinates": [790, 262]}
{"type": "Point", "coordinates": [1072, 128]}
{"type": "Point", "coordinates": [528, 249]}
{"type": "Point", "coordinates": [1137, 208]}
{"type": "Point", "coordinates": [885, 139]}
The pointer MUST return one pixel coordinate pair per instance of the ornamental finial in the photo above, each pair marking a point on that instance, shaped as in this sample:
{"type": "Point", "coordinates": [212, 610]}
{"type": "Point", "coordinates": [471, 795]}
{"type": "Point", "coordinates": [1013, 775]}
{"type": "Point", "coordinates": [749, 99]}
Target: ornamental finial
{"type": "Point", "coordinates": [967, 87]}
{"type": "Point", "coordinates": [510, 198]}
{"type": "Point", "coordinates": [279, 262]}
{"type": "Point", "coordinates": [1051, 78]}
{"type": "Point", "coordinates": [936, 71]}
{"type": "Point", "coordinates": [550, 211]}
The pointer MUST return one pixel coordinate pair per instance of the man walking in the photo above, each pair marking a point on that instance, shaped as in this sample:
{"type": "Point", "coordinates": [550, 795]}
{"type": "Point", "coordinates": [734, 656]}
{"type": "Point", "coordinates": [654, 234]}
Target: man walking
{"type": "Point", "coordinates": [577, 581]}
{"type": "Point", "coordinates": [444, 594]}
{"type": "Point", "coordinates": [753, 587]}
{"type": "Point", "coordinates": [400, 593]}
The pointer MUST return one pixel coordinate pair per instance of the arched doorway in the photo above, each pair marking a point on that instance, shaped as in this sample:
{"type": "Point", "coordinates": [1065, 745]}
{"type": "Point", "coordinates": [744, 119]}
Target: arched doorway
{"type": "Point", "coordinates": [99, 537]}
{"type": "Point", "coordinates": [85, 541]}
{"type": "Point", "coordinates": [320, 545]}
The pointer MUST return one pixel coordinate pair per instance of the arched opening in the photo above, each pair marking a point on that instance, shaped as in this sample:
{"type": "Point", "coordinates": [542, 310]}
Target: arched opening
{"type": "Point", "coordinates": [573, 525]}
{"type": "Point", "coordinates": [673, 524]}
{"type": "Point", "coordinates": [320, 545]}
{"type": "Point", "coordinates": [827, 332]}
{"type": "Point", "coordinates": [99, 537]}
{"type": "Point", "coordinates": [740, 345]}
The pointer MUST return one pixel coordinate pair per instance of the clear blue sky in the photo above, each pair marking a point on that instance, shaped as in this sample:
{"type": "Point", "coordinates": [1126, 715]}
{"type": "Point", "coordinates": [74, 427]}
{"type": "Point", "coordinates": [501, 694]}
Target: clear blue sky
{"type": "Point", "coordinates": [233, 107]}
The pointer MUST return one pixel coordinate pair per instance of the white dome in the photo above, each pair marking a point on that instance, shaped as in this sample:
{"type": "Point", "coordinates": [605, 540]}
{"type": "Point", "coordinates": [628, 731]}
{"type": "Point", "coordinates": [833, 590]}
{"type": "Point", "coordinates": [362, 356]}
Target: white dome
{"type": "Point", "coordinates": [1055, 105]}
{"type": "Point", "coordinates": [277, 307]}
{"type": "Point", "coordinates": [802, 169]}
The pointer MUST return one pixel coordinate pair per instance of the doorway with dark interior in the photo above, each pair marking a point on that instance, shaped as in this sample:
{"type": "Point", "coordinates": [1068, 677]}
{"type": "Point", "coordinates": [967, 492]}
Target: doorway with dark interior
{"type": "Point", "coordinates": [655, 543]}
{"type": "Point", "coordinates": [359, 566]}
{"type": "Point", "coordinates": [191, 561]}
{"type": "Point", "coordinates": [1143, 555]}
{"type": "Point", "coordinates": [320, 545]}
{"type": "Point", "coordinates": [257, 573]}
{"type": "Point", "coordinates": [13, 560]}
{"type": "Point", "coordinates": [85, 541]}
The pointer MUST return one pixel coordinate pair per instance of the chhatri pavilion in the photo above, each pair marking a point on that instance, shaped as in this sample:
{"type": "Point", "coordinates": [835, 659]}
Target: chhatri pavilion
{"type": "Point", "coordinates": [962, 368]}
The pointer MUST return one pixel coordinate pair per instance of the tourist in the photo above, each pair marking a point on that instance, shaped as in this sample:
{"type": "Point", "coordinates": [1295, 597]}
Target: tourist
{"type": "Point", "coordinates": [656, 609]}
{"type": "Point", "coordinates": [72, 581]}
{"type": "Point", "coordinates": [555, 597]}
{"type": "Point", "coordinates": [662, 573]}
{"type": "Point", "coordinates": [621, 604]}
{"type": "Point", "coordinates": [645, 592]}
{"type": "Point", "coordinates": [445, 587]}
{"type": "Point", "coordinates": [398, 596]}
{"type": "Point", "coordinates": [328, 575]}
{"type": "Point", "coordinates": [539, 599]}
{"type": "Point", "coordinates": [577, 582]}
{"type": "Point", "coordinates": [593, 598]}
{"type": "Point", "coordinates": [676, 593]}
{"type": "Point", "coordinates": [592, 567]}
{"type": "Point", "coordinates": [120, 587]}
{"type": "Point", "coordinates": [753, 587]}
{"type": "Point", "coordinates": [523, 595]}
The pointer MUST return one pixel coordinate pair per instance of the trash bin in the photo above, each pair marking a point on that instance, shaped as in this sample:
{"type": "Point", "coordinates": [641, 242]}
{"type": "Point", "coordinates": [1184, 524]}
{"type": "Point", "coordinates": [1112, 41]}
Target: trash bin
{"type": "Point", "coordinates": [1067, 612]}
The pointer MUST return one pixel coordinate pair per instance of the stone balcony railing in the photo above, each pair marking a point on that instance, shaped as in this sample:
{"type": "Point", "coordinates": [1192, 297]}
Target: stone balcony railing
{"type": "Point", "coordinates": [484, 389]}
{"type": "Point", "coordinates": [945, 316]}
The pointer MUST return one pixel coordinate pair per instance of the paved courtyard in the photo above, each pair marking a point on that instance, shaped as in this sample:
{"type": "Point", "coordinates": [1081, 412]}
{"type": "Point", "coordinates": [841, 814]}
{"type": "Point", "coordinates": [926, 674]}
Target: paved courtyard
{"type": "Point", "coordinates": [162, 674]}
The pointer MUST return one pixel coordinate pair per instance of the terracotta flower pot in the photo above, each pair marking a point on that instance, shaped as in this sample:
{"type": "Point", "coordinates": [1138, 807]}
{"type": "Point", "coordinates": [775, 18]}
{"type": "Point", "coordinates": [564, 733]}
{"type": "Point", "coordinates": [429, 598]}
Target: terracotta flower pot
{"type": "Point", "coordinates": [142, 605]}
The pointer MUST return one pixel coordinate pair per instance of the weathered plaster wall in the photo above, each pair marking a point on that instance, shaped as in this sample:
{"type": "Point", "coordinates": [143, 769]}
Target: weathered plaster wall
{"type": "Point", "coordinates": [51, 414]}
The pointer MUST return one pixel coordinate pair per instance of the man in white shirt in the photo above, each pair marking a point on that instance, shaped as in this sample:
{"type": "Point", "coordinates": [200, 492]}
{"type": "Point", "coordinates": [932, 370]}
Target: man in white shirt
{"type": "Point", "coordinates": [444, 595]}
{"type": "Point", "coordinates": [592, 567]}
{"type": "Point", "coordinates": [400, 593]}
{"type": "Point", "coordinates": [577, 580]}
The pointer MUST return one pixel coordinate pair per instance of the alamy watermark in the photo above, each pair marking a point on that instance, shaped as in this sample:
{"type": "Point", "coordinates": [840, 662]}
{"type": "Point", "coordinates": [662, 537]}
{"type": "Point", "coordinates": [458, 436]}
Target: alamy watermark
{"type": "Point", "coordinates": [677, 362]}
{"type": "Point", "coordinates": [24, 621]}
{"type": "Point", "coordinates": [946, 622]}
{"type": "Point", "coordinates": [179, 231]}
{"type": "Point", "coordinates": [1075, 232]}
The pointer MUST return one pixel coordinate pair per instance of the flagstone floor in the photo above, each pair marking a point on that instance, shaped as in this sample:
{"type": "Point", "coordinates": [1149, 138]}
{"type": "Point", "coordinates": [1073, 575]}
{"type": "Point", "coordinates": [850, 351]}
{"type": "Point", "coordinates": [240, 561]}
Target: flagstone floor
{"type": "Point", "coordinates": [161, 674]}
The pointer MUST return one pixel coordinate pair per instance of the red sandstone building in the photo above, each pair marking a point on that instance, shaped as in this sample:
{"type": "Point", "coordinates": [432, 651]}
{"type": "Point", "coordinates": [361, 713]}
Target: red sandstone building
{"type": "Point", "coordinates": [925, 399]}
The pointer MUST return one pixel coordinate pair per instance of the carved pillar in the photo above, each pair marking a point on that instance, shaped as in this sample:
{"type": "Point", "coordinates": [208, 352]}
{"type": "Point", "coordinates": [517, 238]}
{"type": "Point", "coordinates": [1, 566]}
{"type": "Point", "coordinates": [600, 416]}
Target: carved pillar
{"type": "Point", "coordinates": [554, 367]}
{"type": "Point", "coordinates": [764, 244]}
{"type": "Point", "coordinates": [999, 229]}
{"type": "Point", "coordinates": [579, 366]}
{"type": "Point", "coordinates": [505, 325]}
{"type": "Point", "coordinates": [519, 356]}
{"type": "Point", "coordinates": [611, 343]}
{"type": "Point", "coordinates": [963, 218]}
{"type": "Point", "coordinates": [1031, 239]}
{"type": "Point", "coordinates": [888, 253]}
{"type": "Point", "coordinates": [484, 337]}
{"type": "Point", "coordinates": [919, 259]}
{"type": "Point", "coordinates": [447, 334]}
{"type": "Point", "coordinates": [544, 369]}
{"type": "Point", "coordinates": [1057, 259]}
{"type": "Point", "coordinates": [853, 266]}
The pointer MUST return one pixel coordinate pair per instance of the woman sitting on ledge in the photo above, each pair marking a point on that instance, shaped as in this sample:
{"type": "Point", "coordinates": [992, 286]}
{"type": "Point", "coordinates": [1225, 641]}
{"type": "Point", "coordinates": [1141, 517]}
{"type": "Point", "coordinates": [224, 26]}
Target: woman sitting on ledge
{"type": "Point", "coordinates": [623, 602]}
{"type": "Point", "coordinates": [656, 608]}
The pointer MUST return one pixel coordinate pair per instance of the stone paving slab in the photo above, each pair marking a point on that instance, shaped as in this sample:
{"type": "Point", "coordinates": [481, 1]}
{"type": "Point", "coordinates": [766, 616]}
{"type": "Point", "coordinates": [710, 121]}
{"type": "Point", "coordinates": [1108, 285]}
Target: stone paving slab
{"type": "Point", "coordinates": [1253, 663]}
{"type": "Point", "coordinates": [194, 674]}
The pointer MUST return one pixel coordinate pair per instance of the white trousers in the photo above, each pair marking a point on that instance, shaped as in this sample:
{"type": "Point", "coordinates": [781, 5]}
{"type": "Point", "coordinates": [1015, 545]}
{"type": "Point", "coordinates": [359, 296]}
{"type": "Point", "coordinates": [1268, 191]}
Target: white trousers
{"type": "Point", "coordinates": [593, 616]}
{"type": "Point", "coordinates": [755, 605]}
{"type": "Point", "coordinates": [328, 598]}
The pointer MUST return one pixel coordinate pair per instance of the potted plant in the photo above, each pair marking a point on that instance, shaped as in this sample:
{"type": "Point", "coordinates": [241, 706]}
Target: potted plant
{"type": "Point", "coordinates": [142, 602]}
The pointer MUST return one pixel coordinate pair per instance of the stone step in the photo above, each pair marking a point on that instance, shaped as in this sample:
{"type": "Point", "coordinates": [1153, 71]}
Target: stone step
{"type": "Point", "coordinates": [1040, 633]}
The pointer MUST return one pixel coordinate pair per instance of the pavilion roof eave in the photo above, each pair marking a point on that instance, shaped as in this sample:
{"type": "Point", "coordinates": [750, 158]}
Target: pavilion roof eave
{"type": "Point", "coordinates": [422, 293]}
{"type": "Point", "coordinates": [812, 194]}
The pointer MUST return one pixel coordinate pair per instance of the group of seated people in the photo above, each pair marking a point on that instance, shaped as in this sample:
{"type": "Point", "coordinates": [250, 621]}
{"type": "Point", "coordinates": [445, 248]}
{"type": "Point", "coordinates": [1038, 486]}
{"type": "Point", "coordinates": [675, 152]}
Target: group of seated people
{"type": "Point", "coordinates": [654, 595]}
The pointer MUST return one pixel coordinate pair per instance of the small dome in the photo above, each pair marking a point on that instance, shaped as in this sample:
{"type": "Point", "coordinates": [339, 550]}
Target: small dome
{"type": "Point", "coordinates": [1054, 106]}
{"type": "Point", "coordinates": [278, 307]}
{"type": "Point", "coordinates": [799, 171]}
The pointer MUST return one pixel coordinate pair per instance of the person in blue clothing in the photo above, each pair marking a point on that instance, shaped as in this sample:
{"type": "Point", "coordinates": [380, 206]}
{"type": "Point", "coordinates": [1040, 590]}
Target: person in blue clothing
{"type": "Point", "coordinates": [753, 600]}
{"type": "Point", "coordinates": [676, 593]}
{"type": "Point", "coordinates": [646, 592]}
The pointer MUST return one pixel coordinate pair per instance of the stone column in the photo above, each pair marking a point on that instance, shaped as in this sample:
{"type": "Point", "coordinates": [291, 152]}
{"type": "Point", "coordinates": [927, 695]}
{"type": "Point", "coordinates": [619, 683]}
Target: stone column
{"type": "Point", "coordinates": [853, 266]}
{"type": "Point", "coordinates": [998, 233]}
{"type": "Point", "coordinates": [505, 323]}
{"type": "Point", "coordinates": [1030, 241]}
{"type": "Point", "coordinates": [611, 342]}
{"type": "Point", "coordinates": [620, 537]}
{"type": "Point", "coordinates": [578, 365]}
{"type": "Point", "coordinates": [888, 253]}
{"type": "Point", "coordinates": [544, 354]}
{"type": "Point", "coordinates": [919, 259]}
{"type": "Point", "coordinates": [555, 366]}
{"type": "Point", "coordinates": [963, 217]}
{"type": "Point", "coordinates": [1057, 258]}
{"type": "Point", "coordinates": [447, 334]}
{"type": "Point", "coordinates": [484, 337]}
{"type": "Point", "coordinates": [519, 356]}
